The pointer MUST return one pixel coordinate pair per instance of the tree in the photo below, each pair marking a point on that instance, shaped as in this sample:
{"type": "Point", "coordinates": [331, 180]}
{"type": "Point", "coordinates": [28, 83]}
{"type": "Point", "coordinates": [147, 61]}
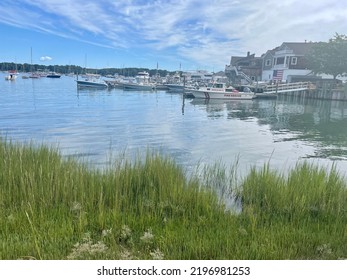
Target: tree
{"type": "Point", "coordinates": [329, 57]}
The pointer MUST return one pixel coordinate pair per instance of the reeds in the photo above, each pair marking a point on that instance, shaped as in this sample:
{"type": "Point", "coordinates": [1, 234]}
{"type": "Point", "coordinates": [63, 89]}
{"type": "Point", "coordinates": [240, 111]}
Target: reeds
{"type": "Point", "coordinates": [56, 208]}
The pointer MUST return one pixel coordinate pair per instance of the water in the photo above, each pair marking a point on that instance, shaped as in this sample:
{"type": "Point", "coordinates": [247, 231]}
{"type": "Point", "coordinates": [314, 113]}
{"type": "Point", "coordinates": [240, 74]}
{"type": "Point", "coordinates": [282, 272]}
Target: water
{"type": "Point", "coordinates": [96, 125]}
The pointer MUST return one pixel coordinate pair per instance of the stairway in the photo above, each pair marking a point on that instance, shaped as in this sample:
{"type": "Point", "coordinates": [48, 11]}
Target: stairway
{"type": "Point", "coordinates": [239, 73]}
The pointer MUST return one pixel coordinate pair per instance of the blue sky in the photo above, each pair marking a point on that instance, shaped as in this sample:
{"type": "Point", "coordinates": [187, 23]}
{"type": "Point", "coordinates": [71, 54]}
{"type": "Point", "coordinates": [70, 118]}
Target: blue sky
{"type": "Point", "coordinates": [191, 34]}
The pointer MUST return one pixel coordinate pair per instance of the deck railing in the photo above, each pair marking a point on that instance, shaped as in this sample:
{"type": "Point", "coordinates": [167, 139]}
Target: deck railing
{"type": "Point", "coordinates": [287, 87]}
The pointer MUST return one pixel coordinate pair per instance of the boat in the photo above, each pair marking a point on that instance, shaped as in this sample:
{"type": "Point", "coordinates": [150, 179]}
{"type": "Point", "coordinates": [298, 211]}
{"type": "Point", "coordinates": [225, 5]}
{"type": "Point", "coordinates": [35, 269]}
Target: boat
{"type": "Point", "coordinates": [53, 75]}
{"type": "Point", "coordinates": [177, 87]}
{"type": "Point", "coordinates": [91, 81]}
{"type": "Point", "coordinates": [34, 75]}
{"type": "Point", "coordinates": [138, 86]}
{"type": "Point", "coordinates": [174, 83]}
{"type": "Point", "coordinates": [218, 90]}
{"type": "Point", "coordinates": [12, 75]}
{"type": "Point", "coordinates": [141, 82]}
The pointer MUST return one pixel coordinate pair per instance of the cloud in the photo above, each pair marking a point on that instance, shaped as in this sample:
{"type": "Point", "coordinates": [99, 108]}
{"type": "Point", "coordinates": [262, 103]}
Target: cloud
{"type": "Point", "coordinates": [202, 32]}
{"type": "Point", "coordinates": [45, 58]}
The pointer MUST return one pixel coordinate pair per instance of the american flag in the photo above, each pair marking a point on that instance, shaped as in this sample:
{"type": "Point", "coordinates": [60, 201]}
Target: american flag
{"type": "Point", "coordinates": [277, 75]}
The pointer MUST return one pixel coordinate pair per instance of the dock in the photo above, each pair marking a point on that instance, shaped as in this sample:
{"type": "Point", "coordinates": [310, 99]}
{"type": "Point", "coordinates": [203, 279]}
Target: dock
{"type": "Point", "coordinates": [288, 87]}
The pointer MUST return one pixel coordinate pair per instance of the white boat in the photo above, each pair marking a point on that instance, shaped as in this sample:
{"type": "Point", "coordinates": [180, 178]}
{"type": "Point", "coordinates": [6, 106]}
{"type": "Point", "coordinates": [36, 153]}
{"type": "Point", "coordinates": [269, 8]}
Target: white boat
{"type": "Point", "coordinates": [175, 83]}
{"type": "Point", "coordinates": [34, 76]}
{"type": "Point", "coordinates": [141, 82]}
{"type": "Point", "coordinates": [175, 87]}
{"type": "Point", "coordinates": [221, 91]}
{"type": "Point", "coordinates": [91, 81]}
{"type": "Point", "coordinates": [138, 86]}
{"type": "Point", "coordinates": [12, 75]}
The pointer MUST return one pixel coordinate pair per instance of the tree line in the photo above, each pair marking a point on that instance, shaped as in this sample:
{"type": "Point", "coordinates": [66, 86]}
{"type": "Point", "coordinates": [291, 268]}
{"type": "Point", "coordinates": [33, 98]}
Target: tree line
{"type": "Point", "coordinates": [329, 57]}
{"type": "Point", "coordinates": [66, 69]}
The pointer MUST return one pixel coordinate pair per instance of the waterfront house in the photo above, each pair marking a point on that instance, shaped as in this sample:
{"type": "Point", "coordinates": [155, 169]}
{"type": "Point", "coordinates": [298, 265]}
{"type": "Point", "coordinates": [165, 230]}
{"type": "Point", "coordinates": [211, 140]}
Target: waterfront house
{"type": "Point", "coordinates": [286, 61]}
{"type": "Point", "coordinates": [244, 69]}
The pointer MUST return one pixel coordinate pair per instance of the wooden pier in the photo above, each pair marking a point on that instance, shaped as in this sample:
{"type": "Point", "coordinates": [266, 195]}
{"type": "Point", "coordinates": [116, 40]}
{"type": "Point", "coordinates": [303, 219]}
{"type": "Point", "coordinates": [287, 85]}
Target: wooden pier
{"type": "Point", "coordinates": [305, 90]}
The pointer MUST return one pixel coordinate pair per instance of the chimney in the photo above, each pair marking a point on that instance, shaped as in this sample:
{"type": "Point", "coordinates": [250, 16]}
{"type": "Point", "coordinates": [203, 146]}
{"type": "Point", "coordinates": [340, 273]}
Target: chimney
{"type": "Point", "coordinates": [248, 54]}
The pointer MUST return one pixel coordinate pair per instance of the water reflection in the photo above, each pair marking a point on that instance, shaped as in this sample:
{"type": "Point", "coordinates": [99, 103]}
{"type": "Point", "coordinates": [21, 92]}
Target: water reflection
{"type": "Point", "coordinates": [218, 108]}
{"type": "Point", "coordinates": [317, 123]}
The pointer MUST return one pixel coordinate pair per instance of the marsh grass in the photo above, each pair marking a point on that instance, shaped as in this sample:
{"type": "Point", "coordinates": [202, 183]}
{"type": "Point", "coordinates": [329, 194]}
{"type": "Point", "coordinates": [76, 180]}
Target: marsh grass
{"type": "Point", "coordinates": [56, 208]}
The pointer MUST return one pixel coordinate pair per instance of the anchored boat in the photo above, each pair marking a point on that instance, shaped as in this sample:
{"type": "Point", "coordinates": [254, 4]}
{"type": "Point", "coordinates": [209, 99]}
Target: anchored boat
{"type": "Point", "coordinates": [92, 81]}
{"type": "Point", "coordinates": [221, 91]}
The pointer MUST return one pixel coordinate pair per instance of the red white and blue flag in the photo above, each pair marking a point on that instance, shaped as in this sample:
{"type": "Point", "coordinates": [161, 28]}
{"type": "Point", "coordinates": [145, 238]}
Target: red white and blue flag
{"type": "Point", "coordinates": [277, 75]}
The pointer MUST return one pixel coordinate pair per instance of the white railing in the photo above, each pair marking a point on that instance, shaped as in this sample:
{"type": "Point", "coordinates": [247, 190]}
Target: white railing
{"type": "Point", "coordinates": [247, 78]}
{"type": "Point", "coordinates": [277, 88]}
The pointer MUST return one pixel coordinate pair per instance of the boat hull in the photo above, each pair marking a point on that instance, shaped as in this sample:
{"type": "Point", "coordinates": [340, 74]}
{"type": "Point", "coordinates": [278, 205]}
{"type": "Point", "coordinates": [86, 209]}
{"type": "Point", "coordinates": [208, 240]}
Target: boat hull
{"type": "Point", "coordinates": [91, 84]}
{"type": "Point", "coordinates": [222, 95]}
{"type": "Point", "coordinates": [175, 87]}
{"type": "Point", "coordinates": [129, 86]}
{"type": "Point", "coordinates": [11, 78]}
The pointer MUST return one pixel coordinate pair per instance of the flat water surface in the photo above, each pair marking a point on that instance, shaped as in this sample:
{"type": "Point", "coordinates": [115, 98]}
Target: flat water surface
{"type": "Point", "coordinates": [100, 125]}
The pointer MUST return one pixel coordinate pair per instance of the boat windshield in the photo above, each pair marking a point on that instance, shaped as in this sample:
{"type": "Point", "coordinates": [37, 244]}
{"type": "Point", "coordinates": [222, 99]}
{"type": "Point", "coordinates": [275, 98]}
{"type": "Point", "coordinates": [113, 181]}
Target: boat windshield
{"type": "Point", "coordinates": [216, 85]}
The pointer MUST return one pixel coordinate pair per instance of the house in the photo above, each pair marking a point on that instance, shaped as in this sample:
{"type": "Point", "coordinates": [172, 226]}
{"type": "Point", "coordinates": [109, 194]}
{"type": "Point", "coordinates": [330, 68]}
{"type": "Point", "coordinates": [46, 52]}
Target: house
{"type": "Point", "coordinates": [285, 61]}
{"type": "Point", "coordinates": [220, 77]}
{"type": "Point", "coordinates": [244, 69]}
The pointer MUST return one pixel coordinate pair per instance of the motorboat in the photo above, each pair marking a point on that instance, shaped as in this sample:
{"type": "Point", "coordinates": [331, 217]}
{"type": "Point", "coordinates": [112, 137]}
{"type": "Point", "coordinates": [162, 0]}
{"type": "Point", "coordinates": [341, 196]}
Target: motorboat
{"type": "Point", "coordinates": [91, 81]}
{"type": "Point", "coordinates": [138, 86]}
{"type": "Point", "coordinates": [218, 90]}
{"type": "Point", "coordinates": [53, 75]}
{"type": "Point", "coordinates": [12, 75]}
{"type": "Point", "coordinates": [141, 82]}
{"type": "Point", "coordinates": [177, 87]}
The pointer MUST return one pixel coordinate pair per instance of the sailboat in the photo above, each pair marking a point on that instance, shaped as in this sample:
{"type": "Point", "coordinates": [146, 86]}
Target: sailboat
{"type": "Point", "coordinates": [33, 75]}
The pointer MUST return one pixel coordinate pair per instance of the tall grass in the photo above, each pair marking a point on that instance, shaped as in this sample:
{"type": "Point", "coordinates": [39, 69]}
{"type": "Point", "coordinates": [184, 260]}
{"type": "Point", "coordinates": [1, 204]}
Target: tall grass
{"type": "Point", "coordinates": [55, 208]}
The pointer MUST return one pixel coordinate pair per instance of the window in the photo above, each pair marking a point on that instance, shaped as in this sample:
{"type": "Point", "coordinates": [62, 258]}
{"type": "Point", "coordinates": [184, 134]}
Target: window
{"type": "Point", "coordinates": [280, 60]}
{"type": "Point", "coordinates": [294, 60]}
{"type": "Point", "coordinates": [268, 62]}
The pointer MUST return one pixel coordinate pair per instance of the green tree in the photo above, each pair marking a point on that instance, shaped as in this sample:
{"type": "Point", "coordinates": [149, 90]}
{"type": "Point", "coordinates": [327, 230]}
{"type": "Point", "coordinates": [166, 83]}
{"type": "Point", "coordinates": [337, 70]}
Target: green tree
{"type": "Point", "coordinates": [329, 57]}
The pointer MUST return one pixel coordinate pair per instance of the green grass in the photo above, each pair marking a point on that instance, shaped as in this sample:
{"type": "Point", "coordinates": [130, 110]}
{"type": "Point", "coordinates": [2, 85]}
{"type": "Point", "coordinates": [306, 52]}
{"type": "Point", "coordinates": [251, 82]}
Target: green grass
{"type": "Point", "coordinates": [55, 208]}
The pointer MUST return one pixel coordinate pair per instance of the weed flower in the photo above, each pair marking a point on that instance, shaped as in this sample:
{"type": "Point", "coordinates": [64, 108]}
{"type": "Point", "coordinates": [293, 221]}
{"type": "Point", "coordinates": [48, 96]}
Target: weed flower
{"type": "Point", "coordinates": [106, 232]}
{"type": "Point", "coordinates": [324, 250]}
{"type": "Point", "coordinates": [87, 248]}
{"type": "Point", "coordinates": [126, 255]}
{"type": "Point", "coordinates": [147, 236]}
{"type": "Point", "coordinates": [125, 233]}
{"type": "Point", "coordinates": [76, 207]}
{"type": "Point", "coordinates": [157, 255]}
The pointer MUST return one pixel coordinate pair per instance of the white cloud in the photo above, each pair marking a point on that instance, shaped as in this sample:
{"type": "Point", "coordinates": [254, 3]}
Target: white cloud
{"type": "Point", "coordinates": [45, 58]}
{"type": "Point", "coordinates": [203, 32]}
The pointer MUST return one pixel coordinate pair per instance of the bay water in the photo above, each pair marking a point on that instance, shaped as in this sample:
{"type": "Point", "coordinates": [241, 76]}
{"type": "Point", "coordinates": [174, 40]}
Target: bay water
{"type": "Point", "coordinates": [97, 126]}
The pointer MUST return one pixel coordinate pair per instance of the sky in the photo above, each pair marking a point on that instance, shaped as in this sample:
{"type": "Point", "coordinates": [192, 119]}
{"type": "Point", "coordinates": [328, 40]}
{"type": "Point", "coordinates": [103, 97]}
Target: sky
{"type": "Point", "coordinates": [173, 34]}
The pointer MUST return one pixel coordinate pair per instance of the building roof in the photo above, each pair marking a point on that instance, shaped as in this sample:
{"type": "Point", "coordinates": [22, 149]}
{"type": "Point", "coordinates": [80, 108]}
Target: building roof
{"type": "Point", "coordinates": [300, 48]}
{"type": "Point", "coordinates": [220, 73]}
{"type": "Point", "coordinates": [237, 59]}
